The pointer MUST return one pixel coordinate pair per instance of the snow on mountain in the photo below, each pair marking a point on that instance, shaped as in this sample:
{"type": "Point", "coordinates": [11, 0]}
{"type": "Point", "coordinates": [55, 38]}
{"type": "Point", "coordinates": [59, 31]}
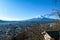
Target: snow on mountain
{"type": "Point", "coordinates": [41, 19]}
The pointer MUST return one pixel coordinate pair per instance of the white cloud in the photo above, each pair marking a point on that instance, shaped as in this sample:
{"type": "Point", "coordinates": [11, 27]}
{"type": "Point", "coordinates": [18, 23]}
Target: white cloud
{"type": "Point", "coordinates": [9, 19]}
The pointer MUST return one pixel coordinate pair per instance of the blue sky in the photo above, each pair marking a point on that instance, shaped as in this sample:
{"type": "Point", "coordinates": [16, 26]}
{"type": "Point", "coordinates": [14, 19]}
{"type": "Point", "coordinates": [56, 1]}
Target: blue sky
{"type": "Point", "coordinates": [25, 9]}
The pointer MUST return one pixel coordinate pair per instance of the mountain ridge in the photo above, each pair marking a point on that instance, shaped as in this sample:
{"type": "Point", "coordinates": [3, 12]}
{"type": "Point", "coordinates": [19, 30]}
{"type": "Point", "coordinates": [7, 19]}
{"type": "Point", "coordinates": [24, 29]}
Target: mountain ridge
{"type": "Point", "coordinates": [33, 19]}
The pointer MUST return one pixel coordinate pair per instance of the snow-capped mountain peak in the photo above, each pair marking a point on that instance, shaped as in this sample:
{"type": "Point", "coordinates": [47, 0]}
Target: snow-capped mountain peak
{"type": "Point", "coordinates": [39, 16]}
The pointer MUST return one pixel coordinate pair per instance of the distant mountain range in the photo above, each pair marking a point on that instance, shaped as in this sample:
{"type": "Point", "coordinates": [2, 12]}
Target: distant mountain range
{"type": "Point", "coordinates": [42, 19]}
